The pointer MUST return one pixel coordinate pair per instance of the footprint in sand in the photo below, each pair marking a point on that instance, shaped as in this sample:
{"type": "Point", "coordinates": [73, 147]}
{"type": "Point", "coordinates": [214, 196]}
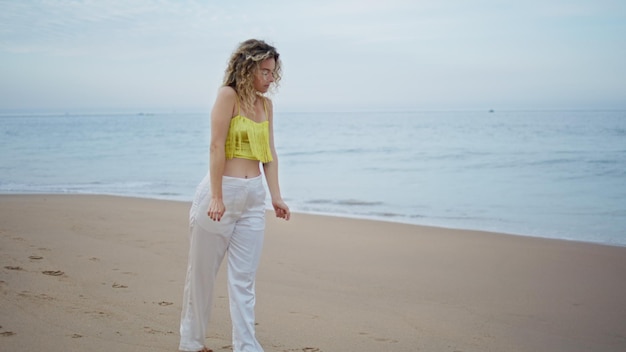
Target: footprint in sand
{"type": "Point", "coordinates": [163, 303]}
{"type": "Point", "coordinates": [35, 257]}
{"type": "Point", "coordinates": [116, 285]}
{"type": "Point", "coordinates": [53, 272]}
{"type": "Point", "coordinates": [13, 267]}
{"type": "Point", "coordinates": [379, 339]}
{"type": "Point", "coordinates": [150, 330]}
{"type": "Point", "coordinates": [382, 339]}
{"type": "Point", "coordinates": [7, 333]}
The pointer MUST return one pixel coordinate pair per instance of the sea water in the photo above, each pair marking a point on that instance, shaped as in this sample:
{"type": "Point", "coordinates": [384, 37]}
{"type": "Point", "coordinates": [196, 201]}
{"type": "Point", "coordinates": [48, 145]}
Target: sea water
{"type": "Point", "coordinates": [555, 174]}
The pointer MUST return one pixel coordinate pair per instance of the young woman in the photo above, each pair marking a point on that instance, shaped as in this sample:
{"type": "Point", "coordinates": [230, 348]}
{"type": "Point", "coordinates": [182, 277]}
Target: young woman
{"type": "Point", "coordinates": [227, 217]}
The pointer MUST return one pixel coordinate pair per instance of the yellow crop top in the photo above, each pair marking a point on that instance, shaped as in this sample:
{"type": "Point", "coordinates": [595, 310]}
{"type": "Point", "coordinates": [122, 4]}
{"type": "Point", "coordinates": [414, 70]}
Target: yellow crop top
{"type": "Point", "coordinates": [248, 139]}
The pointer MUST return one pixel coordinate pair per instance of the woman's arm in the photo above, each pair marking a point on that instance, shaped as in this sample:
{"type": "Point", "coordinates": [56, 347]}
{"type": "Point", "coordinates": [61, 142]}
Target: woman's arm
{"type": "Point", "coordinates": [221, 115]}
{"type": "Point", "coordinates": [271, 172]}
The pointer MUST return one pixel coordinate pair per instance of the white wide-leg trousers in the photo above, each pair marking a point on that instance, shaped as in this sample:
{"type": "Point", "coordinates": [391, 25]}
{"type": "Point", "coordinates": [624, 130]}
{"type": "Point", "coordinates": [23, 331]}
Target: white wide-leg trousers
{"type": "Point", "coordinates": [239, 235]}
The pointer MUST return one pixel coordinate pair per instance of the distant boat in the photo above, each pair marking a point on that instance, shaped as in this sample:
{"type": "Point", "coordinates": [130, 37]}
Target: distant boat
{"type": "Point", "coordinates": [491, 110]}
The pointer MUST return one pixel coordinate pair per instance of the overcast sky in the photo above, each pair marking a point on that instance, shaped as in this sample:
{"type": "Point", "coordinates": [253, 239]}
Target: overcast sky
{"type": "Point", "coordinates": [337, 54]}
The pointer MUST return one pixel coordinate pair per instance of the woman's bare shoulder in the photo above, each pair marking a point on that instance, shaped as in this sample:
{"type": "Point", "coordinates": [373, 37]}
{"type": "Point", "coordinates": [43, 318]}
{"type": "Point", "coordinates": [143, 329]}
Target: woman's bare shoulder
{"type": "Point", "coordinates": [226, 92]}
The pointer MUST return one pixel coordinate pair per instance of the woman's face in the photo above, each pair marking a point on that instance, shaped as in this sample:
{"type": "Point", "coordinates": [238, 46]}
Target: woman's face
{"type": "Point", "coordinates": [264, 76]}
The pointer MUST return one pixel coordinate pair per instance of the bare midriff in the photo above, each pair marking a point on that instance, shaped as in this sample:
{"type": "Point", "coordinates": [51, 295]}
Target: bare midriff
{"type": "Point", "coordinates": [242, 168]}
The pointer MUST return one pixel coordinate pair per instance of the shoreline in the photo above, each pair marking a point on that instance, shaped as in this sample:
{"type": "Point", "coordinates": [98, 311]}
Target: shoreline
{"type": "Point", "coordinates": [375, 218]}
{"type": "Point", "coordinates": [453, 228]}
{"type": "Point", "coordinates": [103, 273]}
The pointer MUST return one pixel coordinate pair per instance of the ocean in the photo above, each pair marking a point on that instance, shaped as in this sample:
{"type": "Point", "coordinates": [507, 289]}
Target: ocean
{"type": "Point", "coordinates": [553, 174]}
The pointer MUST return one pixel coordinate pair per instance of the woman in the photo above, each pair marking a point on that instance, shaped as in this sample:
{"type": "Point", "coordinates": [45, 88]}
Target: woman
{"type": "Point", "coordinates": [227, 216]}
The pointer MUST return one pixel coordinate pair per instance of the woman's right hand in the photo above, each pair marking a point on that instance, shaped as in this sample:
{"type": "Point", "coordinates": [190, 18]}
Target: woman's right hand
{"type": "Point", "coordinates": [216, 209]}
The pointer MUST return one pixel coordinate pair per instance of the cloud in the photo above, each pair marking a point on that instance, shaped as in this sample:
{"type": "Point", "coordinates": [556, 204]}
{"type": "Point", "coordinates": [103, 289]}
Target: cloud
{"type": "Point", "coordinates": [336, 52]}
{"type": "Point", "coordinates": [73, 28]}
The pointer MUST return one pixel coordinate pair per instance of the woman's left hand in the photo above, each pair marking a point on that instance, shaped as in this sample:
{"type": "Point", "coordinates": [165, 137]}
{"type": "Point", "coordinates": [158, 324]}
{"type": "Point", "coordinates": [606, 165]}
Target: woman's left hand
{"type": "Point", "coordinates": [281, 209]}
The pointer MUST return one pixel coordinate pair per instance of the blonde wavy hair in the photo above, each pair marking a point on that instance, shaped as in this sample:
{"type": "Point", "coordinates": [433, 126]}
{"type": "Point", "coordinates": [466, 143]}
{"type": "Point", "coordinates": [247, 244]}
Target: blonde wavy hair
{"type": "Point", "coordinates": [243, 64]}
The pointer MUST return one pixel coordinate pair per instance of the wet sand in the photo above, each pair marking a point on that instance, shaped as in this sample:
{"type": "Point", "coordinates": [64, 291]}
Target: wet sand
{"type": "Point", "coordinates": [102, 273]}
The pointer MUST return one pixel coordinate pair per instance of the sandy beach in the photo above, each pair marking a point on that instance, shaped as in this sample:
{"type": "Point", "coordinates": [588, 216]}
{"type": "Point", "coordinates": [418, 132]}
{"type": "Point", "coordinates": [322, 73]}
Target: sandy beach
{"type": "Point", "coordinates": [102, 273]}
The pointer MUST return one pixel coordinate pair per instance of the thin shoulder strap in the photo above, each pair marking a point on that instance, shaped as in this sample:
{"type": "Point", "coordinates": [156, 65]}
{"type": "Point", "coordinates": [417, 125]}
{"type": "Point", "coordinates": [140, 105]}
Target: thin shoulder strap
{"type": "Point", "coordinates": [238, 107]}
{"type": "Point", "coordinates": [267, 117]}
